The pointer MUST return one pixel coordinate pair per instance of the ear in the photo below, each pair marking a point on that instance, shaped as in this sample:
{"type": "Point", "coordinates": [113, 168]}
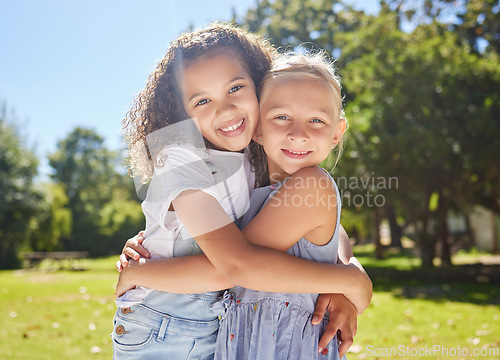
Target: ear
{"type": "Point", "coordinates": [257, 134]}
{"type": "Point", "coordinates": [339, 131]}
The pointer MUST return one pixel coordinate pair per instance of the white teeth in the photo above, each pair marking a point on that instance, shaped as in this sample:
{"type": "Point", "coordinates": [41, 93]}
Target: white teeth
{"type": "Point", "coordinates": [298, 152]}
{"type": "Point", "coordinates": [234, 127]}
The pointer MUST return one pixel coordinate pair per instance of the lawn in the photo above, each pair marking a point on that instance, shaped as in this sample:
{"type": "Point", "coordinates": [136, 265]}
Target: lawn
{"type": "Point", "coordinates": [68, 314]}
{"type": "Point", "coordinates": [58, 314]}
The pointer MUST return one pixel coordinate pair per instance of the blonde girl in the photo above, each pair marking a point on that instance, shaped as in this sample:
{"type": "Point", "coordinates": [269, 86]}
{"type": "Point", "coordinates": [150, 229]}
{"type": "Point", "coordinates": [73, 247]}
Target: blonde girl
{"type": "Point", "coordinates": [301, 121]}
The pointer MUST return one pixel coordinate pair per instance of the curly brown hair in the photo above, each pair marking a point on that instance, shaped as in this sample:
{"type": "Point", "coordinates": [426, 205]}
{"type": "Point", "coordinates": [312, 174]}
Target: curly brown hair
{"type": "Point", "coordinates": [161, 103]}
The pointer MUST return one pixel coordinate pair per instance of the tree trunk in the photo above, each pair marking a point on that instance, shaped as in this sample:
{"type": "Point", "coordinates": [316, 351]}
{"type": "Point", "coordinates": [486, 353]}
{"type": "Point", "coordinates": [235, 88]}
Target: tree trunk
{"type": "Point", "coordinates": [427, 249]}
{"type": "Point", "coordinates": [379, 251]}
{"type": "Point", "coordinates": [443, 230]}
{"type": "Point", "coordinates": [426, 243]}
{"type": "Point", "coordinates": [471, 237]}
{"type": "Point", "coordinates": [396, 230]}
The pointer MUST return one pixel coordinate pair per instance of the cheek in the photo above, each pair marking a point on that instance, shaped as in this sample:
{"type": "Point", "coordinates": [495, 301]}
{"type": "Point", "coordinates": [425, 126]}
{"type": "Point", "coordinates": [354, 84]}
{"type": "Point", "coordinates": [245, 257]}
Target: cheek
{"type": "Point", "coordinates": [203, 121]}
{"type": "Point", "coordinates": [253, 106]}
{"type": "Point", "coordinates": [272, 133]}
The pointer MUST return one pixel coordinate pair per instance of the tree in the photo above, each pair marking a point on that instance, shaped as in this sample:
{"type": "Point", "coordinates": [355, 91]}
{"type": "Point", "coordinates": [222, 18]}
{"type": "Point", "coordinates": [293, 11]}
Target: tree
{"type": "Point", "coordinates": [431, 106]}
{"type": "Point", "coordinates": [52, 224]}
{"type": "Point", "coordinates": [88, 173]}
{"type": "Point", "coordinates": [480, 25]}
{"type": "Point", "coordinates": [19, 201]}
{"type": "Point", "coordinates": [423, 105]}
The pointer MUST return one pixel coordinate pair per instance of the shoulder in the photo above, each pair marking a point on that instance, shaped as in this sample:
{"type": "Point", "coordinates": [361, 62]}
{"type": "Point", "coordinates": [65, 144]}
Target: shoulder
{"type": "Point", "coordinates": [175, 156]}
{"type": "Point", "coordinates": [186, 151]}
{"type": "Point", "coordinates": [178, 164]}
{"type": "Point", "coordinates": [310, 180]}
{"type": "Point", "coordinates": [310, 189]}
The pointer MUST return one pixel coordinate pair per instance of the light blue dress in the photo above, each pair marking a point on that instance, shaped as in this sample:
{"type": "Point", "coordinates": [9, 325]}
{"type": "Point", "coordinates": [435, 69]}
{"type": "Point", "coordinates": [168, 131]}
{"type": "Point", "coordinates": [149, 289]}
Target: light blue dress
{"type": "Point", "coordinates": [271, 326]}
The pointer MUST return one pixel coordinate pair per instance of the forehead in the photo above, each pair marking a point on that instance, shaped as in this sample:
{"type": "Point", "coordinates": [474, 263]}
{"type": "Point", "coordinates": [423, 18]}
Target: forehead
{"type": "Point", "coordinates": [213, 67]}
{"type": "Point", "coordinates": [299, 95]}
{"type": "Point", "coordinates": [221, 53]}
{"type": "Point", "coordinates": [293, 85]}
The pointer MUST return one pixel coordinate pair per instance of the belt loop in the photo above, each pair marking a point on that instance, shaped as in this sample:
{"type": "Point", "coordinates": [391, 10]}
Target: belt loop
{"type": "Point", "coordinates": [163, 328]}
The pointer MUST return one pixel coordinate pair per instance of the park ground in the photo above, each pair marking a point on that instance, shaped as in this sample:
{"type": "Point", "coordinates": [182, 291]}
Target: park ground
{"type": "Point", "coordinates": [48, 313]}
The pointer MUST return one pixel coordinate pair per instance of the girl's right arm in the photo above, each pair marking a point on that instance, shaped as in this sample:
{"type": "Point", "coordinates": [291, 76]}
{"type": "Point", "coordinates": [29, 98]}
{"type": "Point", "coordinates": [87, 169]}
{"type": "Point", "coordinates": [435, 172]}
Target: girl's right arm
{"type": "Point", "coordinates": [265, 269]}
{"type": "Point", "coordinates": [253, 266]}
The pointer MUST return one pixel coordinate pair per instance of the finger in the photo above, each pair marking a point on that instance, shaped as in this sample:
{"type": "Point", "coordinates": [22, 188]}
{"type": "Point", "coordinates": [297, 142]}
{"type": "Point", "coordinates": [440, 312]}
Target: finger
{"type": "Point", "coordinates": [328, 335]}
{"type": "Point", "coordinates": [123, 261]}
{"type": "Point", "coordinates": [137, 248]}
{"type": "Point", "coordinates": [118, 266]}
{"type": "Point", "coordinates": [345, 345]}
{"type": "Point", "coordinates": [131, 253]}
{"type": "Point", "coordinates": [320, 309]}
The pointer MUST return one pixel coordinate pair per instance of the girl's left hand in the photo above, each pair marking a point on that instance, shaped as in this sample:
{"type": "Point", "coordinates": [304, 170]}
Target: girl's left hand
{"type": "Point", "coordinates": [124, 284]}
{"type": "Point", "coordinates": [132, 250]}
{"type": "Point", "coordinates": [343, 320]}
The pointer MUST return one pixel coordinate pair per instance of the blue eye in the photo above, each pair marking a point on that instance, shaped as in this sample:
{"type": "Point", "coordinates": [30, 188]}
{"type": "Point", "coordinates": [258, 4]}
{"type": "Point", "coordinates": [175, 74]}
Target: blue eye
{"type": "Point", "coordinates": [282, 117]}
{"type": "Point", "coordinates": [202, 102]}
{"type": "Point", "coordinates": [235, 88]}
{"type": "Point", "coordinates": [317, 121]}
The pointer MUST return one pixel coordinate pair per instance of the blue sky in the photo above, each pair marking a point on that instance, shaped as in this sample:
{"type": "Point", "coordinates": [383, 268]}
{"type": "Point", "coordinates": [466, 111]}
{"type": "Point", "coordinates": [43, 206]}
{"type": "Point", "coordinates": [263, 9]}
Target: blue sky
{"type": "Point", "coordinates": [68, 63]}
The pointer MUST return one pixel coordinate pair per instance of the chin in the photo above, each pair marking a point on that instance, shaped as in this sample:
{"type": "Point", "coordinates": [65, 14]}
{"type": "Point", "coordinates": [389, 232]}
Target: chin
{"type": "Point", "coordinates": [239, 145]}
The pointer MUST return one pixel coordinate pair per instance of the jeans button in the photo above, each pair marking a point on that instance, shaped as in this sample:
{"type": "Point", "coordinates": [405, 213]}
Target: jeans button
{"type": "Point", "coordinates": [126, 310]}
{"type": "Point", "coordinates": [120, 330]}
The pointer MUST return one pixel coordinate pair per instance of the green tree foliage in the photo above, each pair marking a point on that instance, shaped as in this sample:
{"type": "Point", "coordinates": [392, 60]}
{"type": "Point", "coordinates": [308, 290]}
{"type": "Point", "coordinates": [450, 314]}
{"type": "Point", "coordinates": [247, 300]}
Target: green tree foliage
{"type": "Point", "coordinates": [310, 23]}
{"type": "Point", "coordinates": [423, 104]}
{"type": "Point", "coordinates": [431, 106]}
{"type": "Point", "coordinates": [19, 201]}
{"type": "Point", "coordinates": [104, 213]}
{"type": "Point", "coordinates": [53, 223]}
{"type": "Point", "coordinates": [481, 23]}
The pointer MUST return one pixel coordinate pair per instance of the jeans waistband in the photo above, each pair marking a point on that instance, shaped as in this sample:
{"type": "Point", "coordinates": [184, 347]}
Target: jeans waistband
{"type": "Point", "coordinates": [163, 322]}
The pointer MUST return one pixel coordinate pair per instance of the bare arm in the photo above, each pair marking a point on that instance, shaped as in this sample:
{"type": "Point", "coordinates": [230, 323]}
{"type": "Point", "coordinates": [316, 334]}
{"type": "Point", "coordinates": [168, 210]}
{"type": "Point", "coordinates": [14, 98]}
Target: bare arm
{"type": "Point", "coordinates": [250, 265]}
{"type": "Point", "coordinates": [186, 274]}
{"type": "Point", "coordinates": [345, 247]}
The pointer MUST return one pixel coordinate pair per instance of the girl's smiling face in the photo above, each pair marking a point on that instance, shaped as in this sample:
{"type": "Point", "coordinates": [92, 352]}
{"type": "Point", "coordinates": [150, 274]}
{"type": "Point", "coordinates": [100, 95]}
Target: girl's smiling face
{"type": "Point", "coordinates": [299, 124]}
{"type": "Point", "coordinates": [219, 92]}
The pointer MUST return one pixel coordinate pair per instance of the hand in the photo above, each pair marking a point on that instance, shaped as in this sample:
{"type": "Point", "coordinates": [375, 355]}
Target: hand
{"type": "Point", "coordinates": [134, 250]}
{"type": "Point", "coordinates": [125, 281]}
{"type": "Point", "coordinates": [124, 284]}
{"type": "Point", "coordinates": [343, 321]}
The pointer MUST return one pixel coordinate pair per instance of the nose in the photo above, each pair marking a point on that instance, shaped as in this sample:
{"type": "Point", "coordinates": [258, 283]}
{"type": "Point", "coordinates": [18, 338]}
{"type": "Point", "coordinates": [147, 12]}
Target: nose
{"type": "Point", "coordinates": [225, 107]}
{"type": "Point", "coordinates": [298, 134]}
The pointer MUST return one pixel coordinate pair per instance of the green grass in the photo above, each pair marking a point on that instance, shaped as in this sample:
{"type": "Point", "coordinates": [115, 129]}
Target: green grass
{"type": "Point", "coordinates": [443, 309]}
{"type": "Point", "coordinates": [58, 315]}
{"type": "Point", "coordinates": [68, 315]}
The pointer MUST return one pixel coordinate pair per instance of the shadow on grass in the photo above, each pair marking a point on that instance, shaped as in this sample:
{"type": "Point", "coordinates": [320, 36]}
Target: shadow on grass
{"type": "Point", "coordinates": [400, 274]}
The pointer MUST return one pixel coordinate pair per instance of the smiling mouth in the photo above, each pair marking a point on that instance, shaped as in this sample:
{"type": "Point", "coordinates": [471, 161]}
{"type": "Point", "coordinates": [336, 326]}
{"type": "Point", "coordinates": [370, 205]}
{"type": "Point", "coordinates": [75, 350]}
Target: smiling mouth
{"type": "Point", "coordinates": [296, 154]}
{"type": "Point", "coordinates": [233, 127]}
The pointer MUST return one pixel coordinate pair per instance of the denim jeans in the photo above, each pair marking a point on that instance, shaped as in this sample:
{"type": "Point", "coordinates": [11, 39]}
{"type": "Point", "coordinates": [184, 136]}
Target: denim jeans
{"type": "Point", "coordinates": [167, 326]}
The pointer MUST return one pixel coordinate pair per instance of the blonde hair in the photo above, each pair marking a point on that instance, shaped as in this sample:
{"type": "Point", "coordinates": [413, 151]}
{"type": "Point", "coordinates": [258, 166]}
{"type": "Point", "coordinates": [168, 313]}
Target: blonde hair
{"type": "Point", "coordinates": [316, 66]}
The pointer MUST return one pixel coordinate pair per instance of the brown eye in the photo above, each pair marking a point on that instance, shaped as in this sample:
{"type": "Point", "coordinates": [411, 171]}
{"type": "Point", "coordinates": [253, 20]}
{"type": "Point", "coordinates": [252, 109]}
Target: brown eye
{"type": "Point", "coordinates": [235, 88]}
{"type": "Point", "coordinates": [202, 102]}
